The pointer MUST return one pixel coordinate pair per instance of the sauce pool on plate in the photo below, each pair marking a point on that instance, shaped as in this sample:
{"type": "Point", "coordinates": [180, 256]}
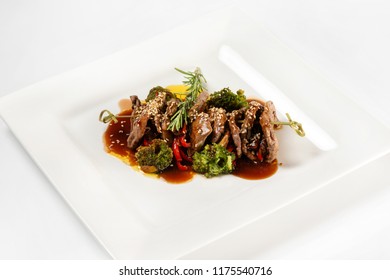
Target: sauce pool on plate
{"type": "Point", "coordinates": [250, 170]}
{"type": "Point", "coordinates": [115, 142]}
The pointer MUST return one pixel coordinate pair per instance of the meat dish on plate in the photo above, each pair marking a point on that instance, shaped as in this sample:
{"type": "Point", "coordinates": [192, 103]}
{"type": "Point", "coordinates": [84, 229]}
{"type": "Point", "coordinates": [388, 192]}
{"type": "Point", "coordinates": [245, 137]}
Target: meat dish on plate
{"type": "Point", "coordinates": [183, 129]}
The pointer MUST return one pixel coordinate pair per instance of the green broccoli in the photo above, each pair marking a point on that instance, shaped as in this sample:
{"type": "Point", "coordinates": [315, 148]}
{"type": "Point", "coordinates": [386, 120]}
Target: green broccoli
{"type": "Point", "coordinates": [228, 100]}
{"type": "Point", "coordinates": [157, 89]}
{"type": "Point", "coordinates": [155, 157]}
{"type": "Point", "coordinates": [213, 160]}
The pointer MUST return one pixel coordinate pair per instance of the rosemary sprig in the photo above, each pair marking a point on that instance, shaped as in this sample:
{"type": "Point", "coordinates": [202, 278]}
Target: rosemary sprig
{"type": "Point", "coordinates": [195, 82]}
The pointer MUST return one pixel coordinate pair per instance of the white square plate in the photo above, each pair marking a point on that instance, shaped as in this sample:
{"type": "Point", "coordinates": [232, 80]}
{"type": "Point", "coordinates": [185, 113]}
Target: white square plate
{"type": "Point", "coordinates": [137, 217]}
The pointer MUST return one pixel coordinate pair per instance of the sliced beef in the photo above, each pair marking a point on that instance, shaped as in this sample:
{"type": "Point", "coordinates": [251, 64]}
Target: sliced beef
{"type": "Point", "coordinates": [164, 118]}
{"type": "Point", "coordinates": [136, 106]}
{"type": "Point", "coordinates": [251, 146]}
{"type": "Point", "coordinates": [271, 107]}
{"type": "Point", "coordinates": [247, 128]}
{"type": "Point", "coordinates": [172, 106]}
{"type": "Point", "coordinates": [245, 151]}
{"type": "Point", "coordinates": [218, 119]}
{"type": "Point", "coordinates": [200, 130]}
{"type": "Point", "coordinates": [138, 129]}
{"type": "Point", "coordinates": [225, 139]}
{"type": "Point", "coordinates": [166, 134]}
{"type": "Point", "coordinates": [269, 143]}
{"type": "Point", "coordinates": [135, 102]}
{"type": "Point", "coordinates": [156, 105]}
{"type": "Point", "coordinates": [141, 117]}
{"type": "Point", "coordinates": [235, 130]}
{"type": "Point", "coordinates": [199, 106]}
{"type": "Point", "coordinates": [255, 108]}
{"type": "Point", "coordinates": [254, 142]}
{"type": "Point", "coordinates": [157, 120]}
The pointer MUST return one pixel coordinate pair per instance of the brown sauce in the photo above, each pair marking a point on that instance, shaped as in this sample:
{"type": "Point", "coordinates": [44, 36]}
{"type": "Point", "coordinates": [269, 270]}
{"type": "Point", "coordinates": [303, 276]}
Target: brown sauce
{"type": "Point", "coordinates": [115, 137]}
{"type": "Point", "coordinates": [173, 175]}
{"type": "Point", "coordinates": [115, 141]}
{"type": "Point", "coordinates": [250, 170]}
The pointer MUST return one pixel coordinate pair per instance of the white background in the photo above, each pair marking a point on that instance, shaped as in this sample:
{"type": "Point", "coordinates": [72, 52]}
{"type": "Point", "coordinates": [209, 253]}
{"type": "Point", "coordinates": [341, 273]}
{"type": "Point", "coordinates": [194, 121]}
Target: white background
{"type": "Point", "coordinates": [348, 41]}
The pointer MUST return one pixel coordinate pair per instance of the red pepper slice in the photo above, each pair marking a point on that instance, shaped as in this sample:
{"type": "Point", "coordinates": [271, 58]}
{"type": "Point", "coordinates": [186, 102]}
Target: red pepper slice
{"type": "Point", "coordinates": [182, 137]}
{"type": "Point", "coordinates": [184, 129]}
{"type": "Point", "coordinates": [176, 150]}
{"type": "Point", "coordinates": [146, 142]}
{"type": "Point", "coordinates": [259, 155]}
{"type": "Point", "coordinates": [184, 156]}
{"type": "Point", "coordinates": [183, 141]}
{"type": "Point", "coordinates": [178, 155]}
{"type": "Point", "coordinates": [230, 148]}
{"type": "Point", "coordinates": [181, 167]}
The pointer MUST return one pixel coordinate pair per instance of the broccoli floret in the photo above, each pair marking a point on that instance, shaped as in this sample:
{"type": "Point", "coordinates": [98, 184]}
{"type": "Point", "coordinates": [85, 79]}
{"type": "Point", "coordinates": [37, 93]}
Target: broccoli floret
{"type": "Point", "coordinates": [213, 160]}
{"type": "Point", "coordinates": [157, 89]}
{"type": "Point", "coordinates": [228, 100]}
{"type": "Point", "coordinates": [155, 157]}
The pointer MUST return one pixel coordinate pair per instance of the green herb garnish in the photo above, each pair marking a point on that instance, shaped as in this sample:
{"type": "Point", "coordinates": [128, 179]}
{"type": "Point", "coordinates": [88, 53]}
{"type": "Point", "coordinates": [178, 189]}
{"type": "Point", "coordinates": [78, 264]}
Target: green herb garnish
{"type": "Point", "coordinates": [228, 100]}
{"type": "Point", "coordinates": [195, 82]}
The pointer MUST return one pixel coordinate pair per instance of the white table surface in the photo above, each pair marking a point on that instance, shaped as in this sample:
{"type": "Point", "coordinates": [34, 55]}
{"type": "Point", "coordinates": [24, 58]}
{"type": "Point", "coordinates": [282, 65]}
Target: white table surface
{"type": "Point", "coordinates": [348, 41]}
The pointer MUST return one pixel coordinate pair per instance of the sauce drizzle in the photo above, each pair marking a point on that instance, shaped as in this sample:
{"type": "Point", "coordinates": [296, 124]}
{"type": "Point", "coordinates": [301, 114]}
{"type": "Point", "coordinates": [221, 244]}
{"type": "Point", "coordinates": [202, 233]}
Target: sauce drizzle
{"type": "Point", "coordinates": [115, 142]}
{"type": "Point", "coordinates": [250, 170]}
